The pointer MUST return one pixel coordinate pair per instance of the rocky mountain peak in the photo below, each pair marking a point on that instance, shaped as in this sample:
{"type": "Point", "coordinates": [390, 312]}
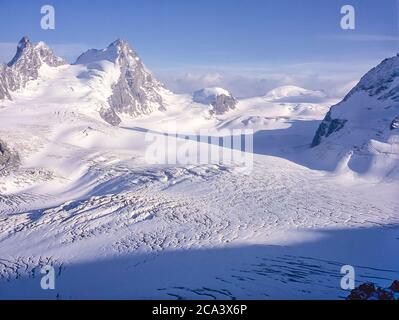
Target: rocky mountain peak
{"type": "Point", "coordinates": [220, 100]}
{"type": "Point", "coordinates": [24, 42]}
{"type": "Point", "coordinates": [136, 92]}
{"type": "Point", "coordinates": [120, 44]}
{"type": "Point", "coordinates": [23, 45]}
{"type": "Point", "coordinates": [25, 66]}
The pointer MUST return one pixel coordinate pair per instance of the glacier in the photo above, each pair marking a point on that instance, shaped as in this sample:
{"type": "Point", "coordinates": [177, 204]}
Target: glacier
{"type": "Point", "coordinates": [77, 193]}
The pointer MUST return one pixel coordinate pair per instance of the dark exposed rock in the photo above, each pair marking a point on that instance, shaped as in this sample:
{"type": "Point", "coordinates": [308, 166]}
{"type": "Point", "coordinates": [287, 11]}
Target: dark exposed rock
{"type": "Point", "coordinates": [327, 128]}
{"type": "Point", "coordinates": [5, 75]}
{"type": "Point", "coordinates": [395, 286]}
{"type": "Point", "coordinates": [135, 93]}
{"type": "Point", "coordinates": [369, 291]}
{"type": "Point", "coordinates": [223, 104]}
{"type": "Point", "coordinates": [219, 99]}
{"type": "Point", "coordinates": [110, 116]}
{"type": "Point", "coordinates": [395, 124]}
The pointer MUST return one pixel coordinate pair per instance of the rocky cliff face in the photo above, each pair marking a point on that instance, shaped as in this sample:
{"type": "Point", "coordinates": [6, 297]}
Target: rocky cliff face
{"type": "Point", "coordinates": [136, 91]}
{"type": "Point", "coordinates": [327, 128]}
{"type": "Point", "coordinates": [220, 100]}
{"type": "Point", "coordinates": [25, 66]}
{"type": "Point", "coordinates": [362, 131]}
{"type": "Point", "coordinates": [372, 105]}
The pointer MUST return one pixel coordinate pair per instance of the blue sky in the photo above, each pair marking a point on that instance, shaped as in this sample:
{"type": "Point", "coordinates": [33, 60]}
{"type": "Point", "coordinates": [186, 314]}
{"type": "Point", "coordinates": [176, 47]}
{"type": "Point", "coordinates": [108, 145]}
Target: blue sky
{"type": "Point", "coordinates": [214, 39]}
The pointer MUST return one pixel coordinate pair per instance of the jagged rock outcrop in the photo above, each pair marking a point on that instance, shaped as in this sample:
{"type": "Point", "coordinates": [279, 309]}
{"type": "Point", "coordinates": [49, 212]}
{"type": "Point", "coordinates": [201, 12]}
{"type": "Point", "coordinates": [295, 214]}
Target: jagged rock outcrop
{"type": "Point", "coordinates": [9, 159]}
{"type": "Point", "coordinates": [220, 100]}
{"type": "Point", "coordinates": [327, 128]}
{"type": "Point", "coordinates": [368, 291]}
{"type": "Point", "coordinates": [110, 116]}
{"type": "Point", "coordinates": [25, 66]}
{"type": "Point", "coordinates": [136, 92]}
{"type": "Point", "coordinates": [5, 74]}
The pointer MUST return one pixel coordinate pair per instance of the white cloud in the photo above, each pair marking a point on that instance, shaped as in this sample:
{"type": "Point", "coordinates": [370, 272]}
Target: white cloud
{"type": "Point", "coordinates": [335, 79]}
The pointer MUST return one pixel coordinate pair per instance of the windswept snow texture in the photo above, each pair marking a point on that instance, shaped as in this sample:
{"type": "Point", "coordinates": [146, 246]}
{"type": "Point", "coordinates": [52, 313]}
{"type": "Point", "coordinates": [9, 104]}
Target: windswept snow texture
{"type": "Point", "coordinates": [85, 200]}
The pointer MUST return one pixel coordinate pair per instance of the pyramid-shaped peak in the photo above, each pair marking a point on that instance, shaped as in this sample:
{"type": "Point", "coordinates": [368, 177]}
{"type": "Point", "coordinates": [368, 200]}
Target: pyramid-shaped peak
{"type": "Point", "coordinates": [118, 51]}
{"type": "Point", "coordinates": [119, 43]}
{"type": "Point", "coordinates": [122, 47]}
{"type": "Point", "coordinates": [24, 42]}
{"type": "Point", "coordinates": [34, 54]}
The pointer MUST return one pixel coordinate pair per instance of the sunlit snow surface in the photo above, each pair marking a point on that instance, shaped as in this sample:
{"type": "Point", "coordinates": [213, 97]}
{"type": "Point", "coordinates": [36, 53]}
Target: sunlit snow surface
{"type": "Point", "coordinates": [86, 201]}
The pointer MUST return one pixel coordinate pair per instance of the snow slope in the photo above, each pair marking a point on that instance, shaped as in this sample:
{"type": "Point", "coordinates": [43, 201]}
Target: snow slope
{"type": "Point", "coordinates": [86, 200]}
{"type": "Point", "coordinates": [359, 133]}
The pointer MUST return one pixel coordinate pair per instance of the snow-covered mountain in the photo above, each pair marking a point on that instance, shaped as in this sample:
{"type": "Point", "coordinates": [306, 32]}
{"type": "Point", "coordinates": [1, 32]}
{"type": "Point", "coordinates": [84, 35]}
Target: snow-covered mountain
{"type": "Point", "coordinates": [220, 100]}
{"type": "Point", "coordinates": [136, 91]}
{"type": "Point", "coordinates": [25, 66]}
{"type": "Point", "coordinates": [361, 132]}
{"type": "Point", "coordinates": [294, 94]}
{"type": "Point", "coordinates": [80, 194]}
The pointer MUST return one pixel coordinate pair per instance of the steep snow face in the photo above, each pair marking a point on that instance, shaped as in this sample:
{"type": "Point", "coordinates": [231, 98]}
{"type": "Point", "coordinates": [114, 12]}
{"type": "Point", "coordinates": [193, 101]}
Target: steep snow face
{"type": "Point", "coordinates": [293, 94]}
{"type": "Point", "coordinates": [219, 99]}
{"type": "Point", "coordinates": [25, 66]}
{"type": "Point", "coordinates": [362, 130]}
{"type": "Point", "coordinates": [136, 91]}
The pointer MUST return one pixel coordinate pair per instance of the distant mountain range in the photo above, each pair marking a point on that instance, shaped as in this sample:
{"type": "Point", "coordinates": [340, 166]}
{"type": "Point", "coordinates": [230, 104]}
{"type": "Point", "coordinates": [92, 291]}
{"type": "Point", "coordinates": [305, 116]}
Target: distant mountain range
{"type": "Point", "coordinates": [360, 132]}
